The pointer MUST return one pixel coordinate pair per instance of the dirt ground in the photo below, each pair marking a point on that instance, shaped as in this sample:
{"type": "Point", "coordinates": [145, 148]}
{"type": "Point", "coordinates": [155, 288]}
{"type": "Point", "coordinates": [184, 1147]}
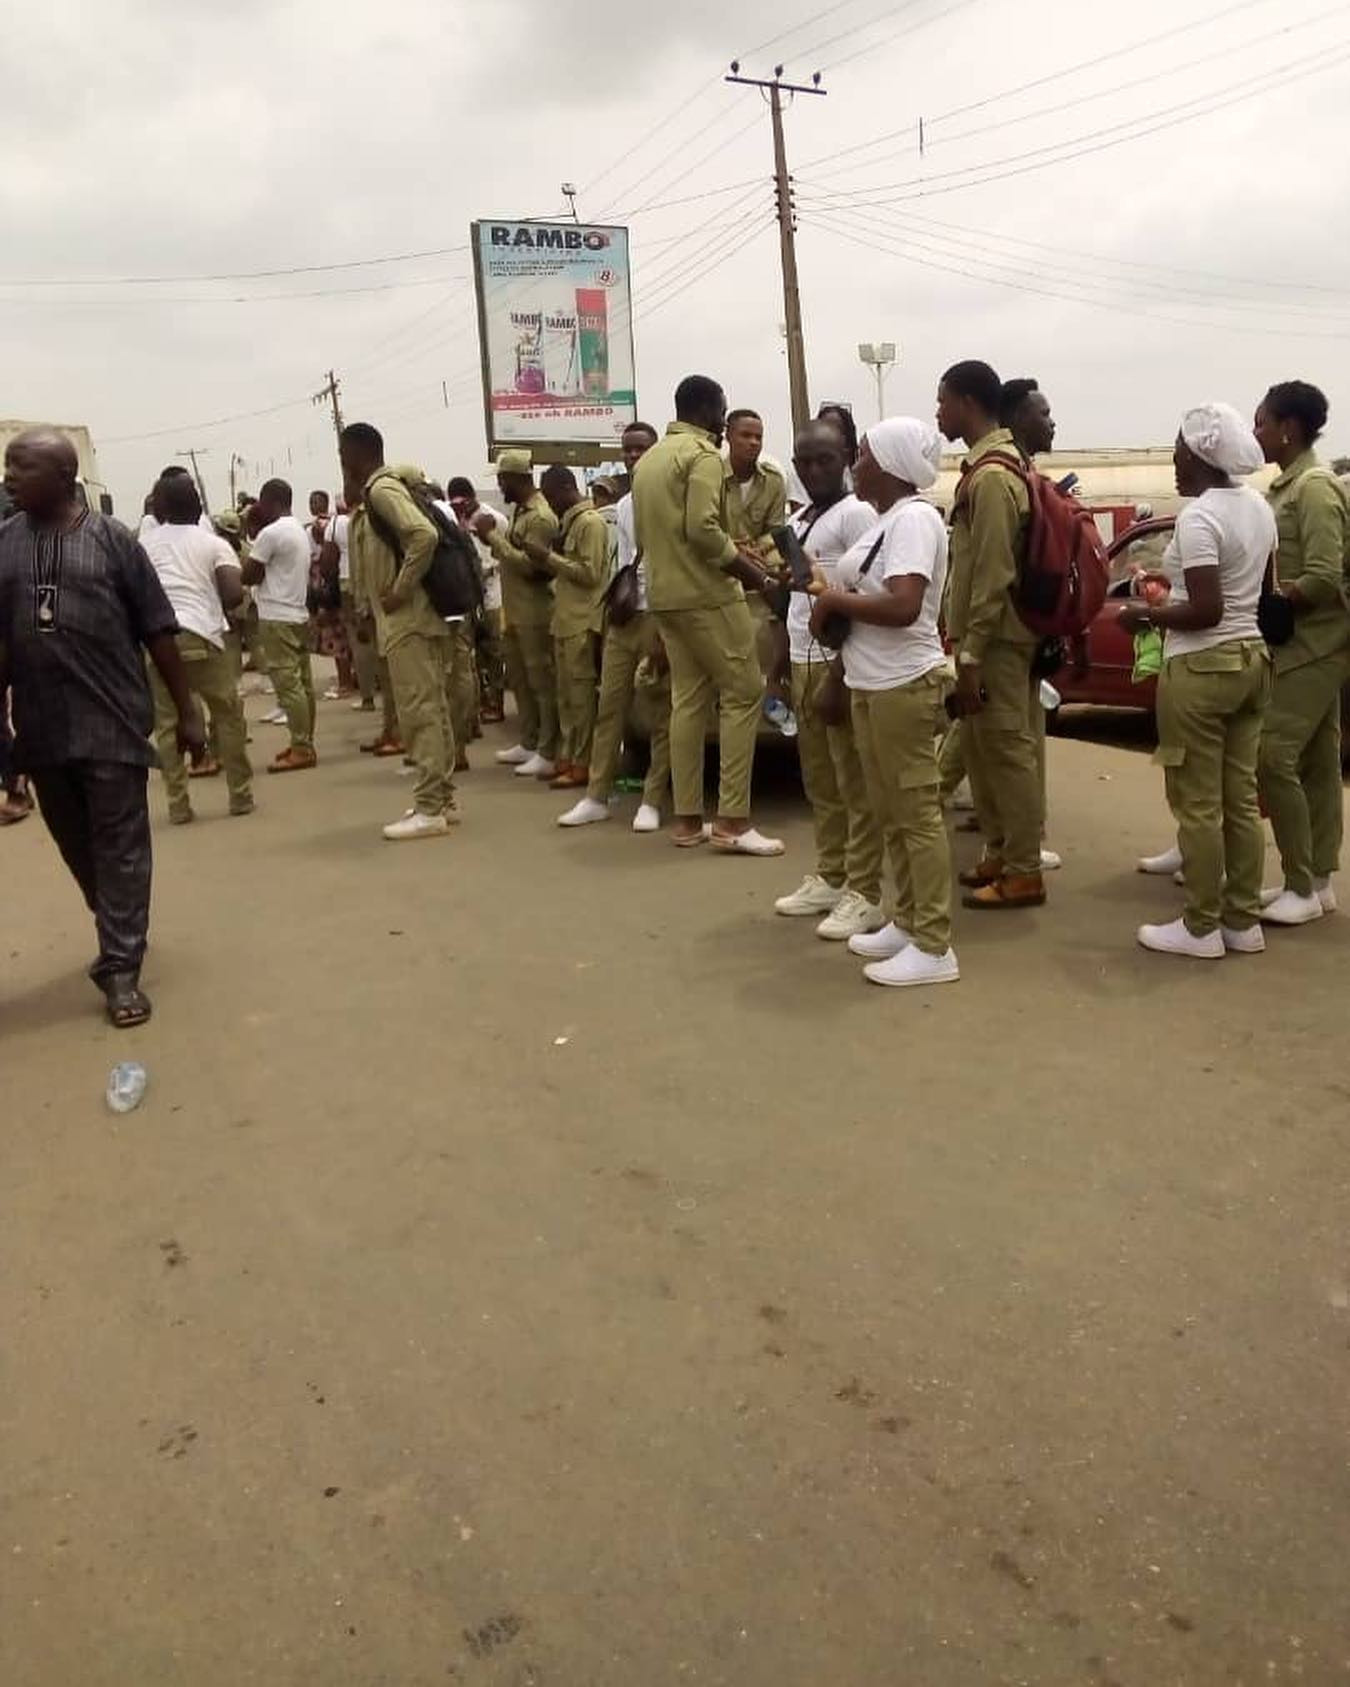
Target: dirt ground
{"type": "Point", "coordinates": [536, 1265]}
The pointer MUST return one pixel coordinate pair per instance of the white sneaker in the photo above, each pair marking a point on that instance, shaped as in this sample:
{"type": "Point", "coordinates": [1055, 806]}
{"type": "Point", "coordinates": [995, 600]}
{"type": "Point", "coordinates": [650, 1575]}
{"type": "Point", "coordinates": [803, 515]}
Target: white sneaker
{"type": "Point", "coordinates": [812, 896]}
{"type": "Point", "coordinates": [1325, 894]}
{"type": "Point", "coordinates": [1161, 865]}
{"type": "Point", "coordinates": [360, 706]}
{"type": "Point", "coordinates": [332, 695]}
{"type": "Point", "coordinates": [647, 819]}
{"type": "Point", "coordinates": [1291, 909]}
{"type": "Point", "coordinates": [881, 945]}
{"type": "Point", "coordinates": [273, 717]}
{"type": "Point", "coordinates": [1051, 862]}
{"type": "Point", "coordinates": [514, 757]}
{"type": "Point", "coordinates": [415, 825]}
{"type": "Point", "coordinates": [584, 813]}
{"type": "Point", "coordinates": [851, 916]}
{"type": "Point", "coordinates": [914, 966]}
{"type": "Point", "coordinates": [961, 798]}
{"type": "Point", "coordinates": [1249, 942]}
{"type": "Point", "coordinates": [1178, 939]}
{"type": "Point", "coordinates": [536, 767]}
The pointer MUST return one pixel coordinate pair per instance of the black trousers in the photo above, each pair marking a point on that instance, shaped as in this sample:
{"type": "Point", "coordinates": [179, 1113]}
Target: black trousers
{"type": "Point", "coordinates": [99, 816]}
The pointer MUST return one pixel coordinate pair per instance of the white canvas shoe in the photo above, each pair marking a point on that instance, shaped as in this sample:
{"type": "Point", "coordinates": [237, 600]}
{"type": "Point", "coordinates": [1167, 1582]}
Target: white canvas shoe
{"type": "Point", "coordinates": [1249, 942]}
{"type": "Point", "coordinates": [1051, 860]}
{"type": "Point", "coordinates": [415, 826]}
{"type": "Point", "coordinates": [1325, 893]}
{"type": "Point", "coordinates": [882, 945]}
{"type": "Point", "coordinates": [1178, 939]}
{"type": "Point", "coordinates": [273, 717]}
{"type": "Point", "coordinates": [1288, 908]}
{"type": "Point", "coordinates": [514, 757]}
{"type": "Point", "coordinates": [1160, 865]}
{"type": "Point", "coordinates": [811, 897]}
{"type": "Point", "coordinates": [913, 966]}
{"type": "Point", "coordinates": [851, 916]}
{"type": "Point", "coordinates": [961, 801]}
{"type": "Point", "coordinates": [584, 813]}
{"type": "Point", "coordinates": [536, 767]}
{"type": "Point", "coordinates": [647, 819]}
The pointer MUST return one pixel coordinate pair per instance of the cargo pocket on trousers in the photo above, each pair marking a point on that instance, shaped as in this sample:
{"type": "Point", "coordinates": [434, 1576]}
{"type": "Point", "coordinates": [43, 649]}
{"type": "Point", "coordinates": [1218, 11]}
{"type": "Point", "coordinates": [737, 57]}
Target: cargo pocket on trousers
{"type": "Point", "coordinates": [1170, 755]}
{"type": "Point", "coordinates": [1217, 661]}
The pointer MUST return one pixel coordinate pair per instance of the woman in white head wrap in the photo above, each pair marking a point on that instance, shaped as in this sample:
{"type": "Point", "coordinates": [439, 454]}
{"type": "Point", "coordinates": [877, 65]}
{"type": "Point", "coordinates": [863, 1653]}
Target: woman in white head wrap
{"type": "Point", "coordinates": [886, 603]}
{"type": "Point", "coordinates": [1214, 686]}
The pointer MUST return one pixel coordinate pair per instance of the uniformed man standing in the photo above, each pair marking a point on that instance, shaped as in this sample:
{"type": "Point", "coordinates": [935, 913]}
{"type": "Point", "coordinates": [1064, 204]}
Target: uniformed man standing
{"type": "Point", "coordinates": [756, 490]}
{"type": "Point", "coordinates": [1300, 767]}
{"type": "Point", "coordinates": [579, 564]}
{"type": "Point", "coordinates": [392, 544]}
{"type": "Point", "coordinates": [527, 605]}
{"type": "Point", "coordinates": [992, 645]}
{"type": "Point", "coordinates": [696, 575]}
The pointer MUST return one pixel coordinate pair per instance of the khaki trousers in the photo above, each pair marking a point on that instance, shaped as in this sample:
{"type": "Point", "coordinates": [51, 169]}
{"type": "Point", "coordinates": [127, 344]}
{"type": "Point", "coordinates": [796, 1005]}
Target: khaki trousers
{"type": "Point", "coordinates": [1210, 706]}
{"type": "Point", "coordinates": [952, 754]}
{"type": "Point", "coordinates": [1002, 760]}
{"type": "Point", "coordinates": [1300, 770]}
{"type": "Point", "coordinates": [417, 666]}
{"type": "Point", "coordinates": [574, 660]}
{"type": "Point", "coordinates": [365, 661]}
{"type": "Point", "coordinates": [461, 683]}
{"type": "Point", "coordinates": [626, 648]}
{"type": "Point", "coordinates": [848, 832]}
{"type": "Point", "coordinates": [286, 652]}
{"type": "Point", "coordinates": [211, 674]}
{"type": "Point", "coordinates": [712, 655]}
{"type": "Point", "coordinates": [529, 667]}
{"type": "Point", "coordinates": [491, 662]}
{"type": "Point", "coordinates": [897, 732]}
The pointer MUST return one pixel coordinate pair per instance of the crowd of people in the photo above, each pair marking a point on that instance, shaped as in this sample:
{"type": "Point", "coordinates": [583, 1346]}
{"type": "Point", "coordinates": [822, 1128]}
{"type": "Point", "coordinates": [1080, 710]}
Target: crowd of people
{"type": "Point", "coordinates": [901, 654]}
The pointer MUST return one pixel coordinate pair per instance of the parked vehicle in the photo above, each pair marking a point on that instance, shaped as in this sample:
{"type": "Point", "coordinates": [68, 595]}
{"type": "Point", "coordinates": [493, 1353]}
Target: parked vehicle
{"type": "Point", "coordinates": [1099, 667]}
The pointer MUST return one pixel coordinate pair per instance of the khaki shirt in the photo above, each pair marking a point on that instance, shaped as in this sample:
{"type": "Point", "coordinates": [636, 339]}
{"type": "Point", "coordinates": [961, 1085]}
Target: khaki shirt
{"type": "Point", "coordinates": [378, 571]}
{"type": "Point", "coordinates": [580, 571]}
{"type": "Point", "coordinates": [754, 510]}
{"type": "Point", "coordinates": [682, 531]}
{"type": "Point", "coordinates": [527, 589]}
{"type": "Point", "coordinates": [1312, 518]}
{"type": "Point", "coordinates": [989, 542]}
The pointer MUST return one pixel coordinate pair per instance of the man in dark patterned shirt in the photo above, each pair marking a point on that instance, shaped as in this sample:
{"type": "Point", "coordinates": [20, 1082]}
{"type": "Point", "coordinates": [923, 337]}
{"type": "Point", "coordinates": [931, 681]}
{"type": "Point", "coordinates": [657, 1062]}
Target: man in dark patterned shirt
{"type": "Point", "coordinates": [78, 599]}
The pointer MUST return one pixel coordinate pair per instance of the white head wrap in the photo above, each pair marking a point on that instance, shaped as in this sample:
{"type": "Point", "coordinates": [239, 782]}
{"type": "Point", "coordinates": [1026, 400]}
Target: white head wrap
{"type": "Point", "coordinates": [908, 449]}
{"type": "Point", "coordinates": [1220, 437]}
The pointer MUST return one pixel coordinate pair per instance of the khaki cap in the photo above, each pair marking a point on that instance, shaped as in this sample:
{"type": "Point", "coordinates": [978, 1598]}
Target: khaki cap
{"type": "Point", "coordinates": [515, 461]}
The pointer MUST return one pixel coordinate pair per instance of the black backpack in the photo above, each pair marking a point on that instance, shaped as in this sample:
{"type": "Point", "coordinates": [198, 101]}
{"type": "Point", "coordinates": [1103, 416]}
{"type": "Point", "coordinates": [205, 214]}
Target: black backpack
{"type": "Point", "coordinates": [454, 581]}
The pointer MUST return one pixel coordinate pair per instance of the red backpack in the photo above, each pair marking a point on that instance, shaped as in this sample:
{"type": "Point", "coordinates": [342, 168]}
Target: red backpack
{"type": "Point", "coordinates": [1063, 580]}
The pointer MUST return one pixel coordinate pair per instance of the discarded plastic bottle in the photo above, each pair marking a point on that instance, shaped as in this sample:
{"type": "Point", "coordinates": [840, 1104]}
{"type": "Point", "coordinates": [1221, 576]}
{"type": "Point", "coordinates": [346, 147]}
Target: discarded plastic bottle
{"type": "Point", "coordinates": [126, 1086]}
{"type": "Point", "coordinates": [1050, 698]}
{"type": "Point", "coordinates": [777, 713]}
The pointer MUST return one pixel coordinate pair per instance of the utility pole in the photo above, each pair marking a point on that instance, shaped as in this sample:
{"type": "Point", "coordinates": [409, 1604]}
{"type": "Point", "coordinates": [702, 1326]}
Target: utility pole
{"type": "Point", "coordinates": [236, 463]}
{"type": "Point", "coordinates": [192, 454]}
{"type": "Point", "coordinates": [787, 232]}
{"type": "Point", "coordinates": [879, 358]}
{"type": "Point", "coordinates": [330, 393]}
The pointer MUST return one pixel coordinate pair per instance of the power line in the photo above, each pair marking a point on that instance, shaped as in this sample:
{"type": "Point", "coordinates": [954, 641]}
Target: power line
{"type": "Point", "coordinates": [158, 300]}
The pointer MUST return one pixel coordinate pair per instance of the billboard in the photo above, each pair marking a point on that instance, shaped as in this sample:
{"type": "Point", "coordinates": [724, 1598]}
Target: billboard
{"type": "Point", "coordinates": [555, 328]}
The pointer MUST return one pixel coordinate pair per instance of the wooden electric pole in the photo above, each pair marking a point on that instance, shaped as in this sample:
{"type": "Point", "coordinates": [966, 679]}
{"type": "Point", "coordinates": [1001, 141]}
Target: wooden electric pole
{"type": "Point", "coordinates": [787, 233]}
{"type": "Point", "coordinates": [330, 393]}
{"type": "Point", "coordinates": [192, 454]}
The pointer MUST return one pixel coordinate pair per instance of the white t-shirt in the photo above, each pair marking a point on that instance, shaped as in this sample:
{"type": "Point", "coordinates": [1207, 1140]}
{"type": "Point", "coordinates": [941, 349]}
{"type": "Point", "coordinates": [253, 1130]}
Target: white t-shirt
{"type": "Point", "coordinates": [492, 573]}
{"type": "Point", "coordinates": [626, 545]}
{"type": "Point", "coordinates": [149, 523]}
{"type": "Point", "coordinates": [913, 540]}
{"type": "Point", "coordinates": [186, 560]}
{"type": "Point", "coordinates": [337, 531]}
{"type": "Point", "coordinates": [1231, 528]}
{"type": "Point", "coordinates": [283, 549]}
{"type": "Point", "coordinates": [825, 539]}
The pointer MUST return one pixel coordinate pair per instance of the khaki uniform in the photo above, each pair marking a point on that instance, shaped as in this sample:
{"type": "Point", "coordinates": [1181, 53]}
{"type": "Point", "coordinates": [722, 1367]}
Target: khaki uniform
{"type": "Point", "coordinates": [848, 834]}
{"type": "Point", "coordinates": [580, 574]}
{"type": "Point", "coordinates": [1210, 704]}
{"type": "Point", "coordinates": [285, 646]}
{"type": "Point", "coordinates": [896, 732]}
{"type": "Point", "coordinates": [461, 685]}
{"type": "Point", "coordinates": [212, 676]}
{"type": "Point", "coordinates": [701, 612]}
{"type": "Point", "coordinates": [1300, 763]}
{"type": "Point", "coordinates": [757, 507]}
{"type": "Point", "coordinates": [988, 543]}
{"type": "Point", "coordinates": [626, 651]}
{"type": "Point", "coordinates": [527, 607]}
{"type": "Point", "coordinates": [411, 637]}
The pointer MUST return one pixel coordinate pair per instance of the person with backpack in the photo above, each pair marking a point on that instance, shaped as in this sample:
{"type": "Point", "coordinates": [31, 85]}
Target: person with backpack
{"type": "Point", "coordinates": [1300, 766]}
{"type": "Point", "coordinates": [992, 644]}
{"type": "Point", "coordinates": [393, 542]}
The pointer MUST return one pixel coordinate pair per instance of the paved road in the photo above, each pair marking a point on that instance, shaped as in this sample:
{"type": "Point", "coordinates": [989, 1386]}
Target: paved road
{"type": "Point", "coordinates": [535, 1265]}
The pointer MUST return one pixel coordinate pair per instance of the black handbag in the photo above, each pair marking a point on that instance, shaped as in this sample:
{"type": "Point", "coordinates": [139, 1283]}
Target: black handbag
{"type": "Point", "coordinates": [1274, 612]}
{"type": "Point", "coordinates": [622, 597]}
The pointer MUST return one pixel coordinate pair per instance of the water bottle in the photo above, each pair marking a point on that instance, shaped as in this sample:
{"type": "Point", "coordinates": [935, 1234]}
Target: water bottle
{"type": "Point", "coordinates": [126, 1086]}
{"type": "Point", "coordinates": [777, 713]}
{"type": "Point", "coordinates": [1050, 698]}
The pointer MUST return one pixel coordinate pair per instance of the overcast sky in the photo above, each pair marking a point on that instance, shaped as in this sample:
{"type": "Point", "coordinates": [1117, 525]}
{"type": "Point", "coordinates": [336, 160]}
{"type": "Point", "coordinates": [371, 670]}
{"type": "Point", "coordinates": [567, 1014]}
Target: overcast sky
{"type": "Point", "coordinates": [185, 139]}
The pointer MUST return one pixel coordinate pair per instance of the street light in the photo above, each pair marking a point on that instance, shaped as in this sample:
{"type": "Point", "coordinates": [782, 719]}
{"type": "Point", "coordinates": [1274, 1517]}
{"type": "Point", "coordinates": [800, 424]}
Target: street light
{"type": "Point", "coordinates": [879, 359]}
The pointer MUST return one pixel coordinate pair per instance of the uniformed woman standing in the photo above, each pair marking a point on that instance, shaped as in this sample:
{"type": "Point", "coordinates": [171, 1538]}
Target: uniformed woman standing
{"type": "Point", "coordinates": [1300, 768]}
{"type": "Point", "coordinates": [1214, 686]}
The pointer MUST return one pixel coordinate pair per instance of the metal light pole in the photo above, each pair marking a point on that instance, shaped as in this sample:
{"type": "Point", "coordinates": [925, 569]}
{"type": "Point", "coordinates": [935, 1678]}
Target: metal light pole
{"type": "Point", "coordinates": [880, 359]}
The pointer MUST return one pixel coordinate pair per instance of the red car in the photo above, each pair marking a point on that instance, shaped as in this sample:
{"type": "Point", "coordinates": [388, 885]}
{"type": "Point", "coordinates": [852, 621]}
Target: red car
{"type": "Point", "coordinates": [1100, 664]}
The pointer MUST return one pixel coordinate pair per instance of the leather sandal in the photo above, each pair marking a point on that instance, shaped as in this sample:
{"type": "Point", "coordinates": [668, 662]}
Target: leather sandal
{"type": "Point", "coordinates": [127, 1004]}
{"type": "Point", "coordinates": [986, 871]}
{"type": "Point", "coordinates": [1013, 890]}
